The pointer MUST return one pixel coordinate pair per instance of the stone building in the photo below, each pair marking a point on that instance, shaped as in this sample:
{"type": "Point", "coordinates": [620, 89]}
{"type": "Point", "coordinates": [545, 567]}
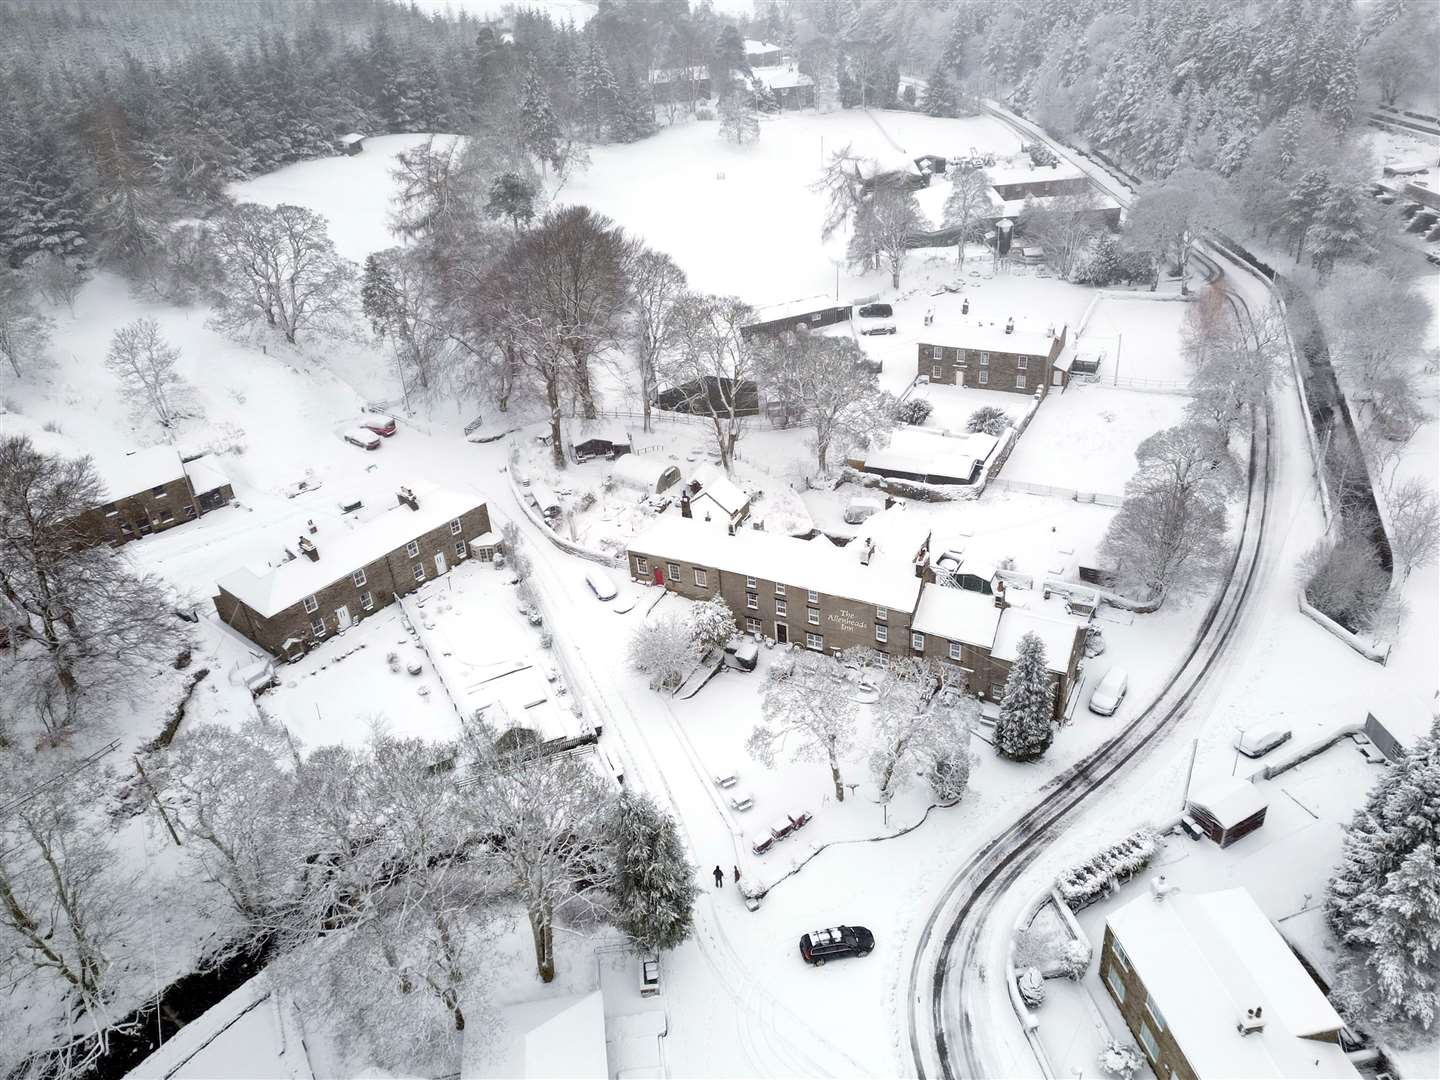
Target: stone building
{"type": "Point", "coordinates": [993, 354]}
{"type": "Point", "coordinates": [351, 568]}
{"type": "Point", "coordinates": [153, 490]}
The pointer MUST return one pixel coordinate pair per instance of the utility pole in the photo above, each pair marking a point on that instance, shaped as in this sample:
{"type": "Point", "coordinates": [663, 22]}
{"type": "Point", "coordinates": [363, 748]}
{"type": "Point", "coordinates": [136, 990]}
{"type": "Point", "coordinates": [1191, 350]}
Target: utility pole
{"type": "Point", "coordinates": [155, 797]}
{"type": "Point", "coordinates": [1185, 799]}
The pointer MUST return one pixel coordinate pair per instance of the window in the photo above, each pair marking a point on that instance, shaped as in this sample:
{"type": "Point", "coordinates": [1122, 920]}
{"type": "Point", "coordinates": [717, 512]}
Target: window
{"type": "Point", "coordinates": [455, 527]}
{"type": "Point", "coordinates": [882, 633]}
{"type": "Point", "coordinates": [1021, 361]}
{"type": "Point", "coordinates": [1019, 382]}
{"type": "Point", "coordinates": [815, 641]}
{"type": "Point", "coordinates": [358, 577]}
{"type": "Point", "coordinates": [752, 626]}
{"type": "Point", "coordinates": [672, 569]}
{"type": "Point", "coordinates": [1119, 954]}
{"type": "Point", "coordinates": [701, 578]}
{"type": "Point", "coordinates": [1156, 1018]}
{"type": "Point", "coordinates": [984, 359]}
{"type": "Point", "coordinates": [419, 571]}
{"type": "Point", "coordinates": [317, 627]}
{"type": "Point", "coordinates": [311, 605]}
{"type": "Point", "coordinates": [1116, 982]}
{"type": "Point", "coordinates": [367, 601]}
{"type": "Point", "coordinates": [882, 613]}
{"type": "Point", "coordinates": [189, 511]}
{"type": "Point", "coordinates": [779, 589]}
{"type": "Point", "coordinates": [460, 549]}
{"type": "Point", "coordinates": [937, 372]}
{"type": "Point", "coordinates": [936, 352]}
{"type": "Point", "coordinates": [954, 650]}
{"type": "Point", "coordinates": [812, 616]}
{"type": "Point", "coordinates": [752, 601]}
{"type": "Point", "coordinates": [1147, 1040]}
{"type": "Point", "coordinates": [917, 642]}
{"type": "Point", "coordinates": [167, 516]}
{"type": "Point", "coordinates": [984, 377]}
{"type": "Point", "coordinates": [158, 492]}
{"type": "Point", "coordinates": [413, 548]}
{"type": "Point", "coordinates": [781, 609]}
{"type": "Point", "coordinates": [749, 582]}
{"type": "Point", "coordinates": [813, 596]}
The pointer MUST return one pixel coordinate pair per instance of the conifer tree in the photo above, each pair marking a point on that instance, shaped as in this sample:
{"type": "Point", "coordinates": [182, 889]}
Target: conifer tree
{"type": "Point", "coordinates": [1384, 899]}
{"type": "Point", "coordinates": [939, 99]}
{"type": "Point", "coordinates": [654, 888]}
{"type": "Point", "coordinates": [540, 133]}
{"type": "Point", "coordinates": [598, 89]}
{"type": "Point", "coordinates": [1025, 728]}
{"type": "Point", "coordinates": [738, 122]}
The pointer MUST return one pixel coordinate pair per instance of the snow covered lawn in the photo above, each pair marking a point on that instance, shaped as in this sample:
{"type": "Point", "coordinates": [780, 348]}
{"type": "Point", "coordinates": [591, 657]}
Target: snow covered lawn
{"type": "Point", "coordinates": [1145, 332]}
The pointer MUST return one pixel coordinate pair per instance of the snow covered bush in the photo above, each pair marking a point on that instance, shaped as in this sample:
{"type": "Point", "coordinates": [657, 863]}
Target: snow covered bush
{"type": "Point", "coordinates": [1032, 987]}
{"type": "Point", "coordinates": [990, 419]}
{"type": "Point", "coordinates": [1082, 885]}
{"type": "Point", "coordinates": [1117, 1059]}
{"type": "Point", "coordinates": [913, 411]}
{"type": "Point", "coordinates": [1075, 958]}
{"type": "Point", "coordinates": [1345, 582]}
{"type": "Point", "coordinates": [664, 650]}
{"type": "Point", "coordinates": [711, 624]}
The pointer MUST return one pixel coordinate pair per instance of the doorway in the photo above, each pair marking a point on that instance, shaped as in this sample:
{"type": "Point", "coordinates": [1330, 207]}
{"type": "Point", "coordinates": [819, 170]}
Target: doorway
{"type": "Point", "coordinates": [659, 576]}
{"type": "Point", "coordinates": [439, 563]}
{"type": "Point", "coordinates": [342, 617]}
{"type": "Point", "coordinates": [782, 633]}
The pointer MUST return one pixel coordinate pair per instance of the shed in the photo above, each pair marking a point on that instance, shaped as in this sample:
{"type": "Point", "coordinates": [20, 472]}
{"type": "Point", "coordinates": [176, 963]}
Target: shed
{"type": "Point", "coordinates": [353, 143]}
{"type": "Point", "coordinates": [602, 446]}
{"type": "Point", "coordinates": [211, 486]}
{"type": "Point", "coordinates": [1227, 809]}
{"type": "Point", "coordinates": [652, 475]}
{"type": "Point", "coordinates": [712, 395]}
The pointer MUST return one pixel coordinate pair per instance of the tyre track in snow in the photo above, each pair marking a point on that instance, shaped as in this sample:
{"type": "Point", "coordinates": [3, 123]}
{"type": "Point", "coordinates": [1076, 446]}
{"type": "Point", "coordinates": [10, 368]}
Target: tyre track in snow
{"type": "Point", "coordinates": [763, 1023]}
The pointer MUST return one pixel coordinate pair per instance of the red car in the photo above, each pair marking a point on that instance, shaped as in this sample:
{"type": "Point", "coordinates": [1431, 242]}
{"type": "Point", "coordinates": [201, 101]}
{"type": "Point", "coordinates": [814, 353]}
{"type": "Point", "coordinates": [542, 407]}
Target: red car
{"type": "Point", "coordinates": [380, 425]}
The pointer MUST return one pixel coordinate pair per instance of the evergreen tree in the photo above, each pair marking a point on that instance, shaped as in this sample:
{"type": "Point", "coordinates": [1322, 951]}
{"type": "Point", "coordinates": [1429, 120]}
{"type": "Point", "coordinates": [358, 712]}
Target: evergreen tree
{"type": "Point", "coordinates": [738, 122]}
{"type": "Point", "coordinates": [540, 133]}
{"type": "Point", "coordinates": [1025, 728]}
{"type": "Point", "coordinates": [42, 201]}
{"type": "Point", "coordinates": [598, 90]}
{"type": "Point", "coordinates": [127, 215]}
{"type": "Point", "coordinates": [1342, 228]}
{"type": "Point", "coordinates": [654, 890]}
{"type": "Point", "coordinates": [377, 294]}
{"type": "Point", "coordinates": [1384, 900]}
{"type": "Point", "coordinates": [512, 198]}
{"type": "Point", "coordinates": [633, 117]}
{"type": "Point", "coordinates": [939, 99]}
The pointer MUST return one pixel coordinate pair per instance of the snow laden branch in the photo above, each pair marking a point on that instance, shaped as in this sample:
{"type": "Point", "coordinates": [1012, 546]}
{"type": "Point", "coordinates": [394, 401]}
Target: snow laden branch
{"type": "Point", "coordinates": [809, 715]}
{"type": "Point", "coordinates": [714, 367]}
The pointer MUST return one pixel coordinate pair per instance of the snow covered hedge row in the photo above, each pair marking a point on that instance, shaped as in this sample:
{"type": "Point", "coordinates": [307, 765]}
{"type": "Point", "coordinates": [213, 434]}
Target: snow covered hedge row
{"type": "Point", "coordinates": [1080, 886]}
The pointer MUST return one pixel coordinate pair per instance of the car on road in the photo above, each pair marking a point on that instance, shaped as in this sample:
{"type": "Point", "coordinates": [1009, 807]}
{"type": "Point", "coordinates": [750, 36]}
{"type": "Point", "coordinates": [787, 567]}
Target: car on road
{"type": "Point", "coordinates": [379, 424]}
{"type": "Point", "coordinates": [875, 319]}
{"type": "Point", "coordinates": [600, 584]}
{"type": "Point", "coordinates": [1109, 692]}
{"type": "Point", "coordinates": [1259, 741]}
{"type": "Point", "coordinates": [358, 436]}
{"type": "Point", "coordinates": [837, 942]}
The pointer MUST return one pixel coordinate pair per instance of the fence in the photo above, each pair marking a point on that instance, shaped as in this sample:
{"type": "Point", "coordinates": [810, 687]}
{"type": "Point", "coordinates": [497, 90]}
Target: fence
{"type": "Point", "coordinates": [1148, 386]}
{"type": "Point", "coordinates": [1099, 498]}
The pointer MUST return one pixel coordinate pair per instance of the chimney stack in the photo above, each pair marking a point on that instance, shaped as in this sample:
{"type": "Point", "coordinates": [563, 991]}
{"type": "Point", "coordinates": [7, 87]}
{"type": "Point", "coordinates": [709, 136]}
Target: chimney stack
{"type": "Point", "coordinates": [406, 497]}
{"type": "Point", "coordinates": [308, 549]}
{"type": "Point", "coordinates": [1010, 325]}
{"type": "Point", "coordinates": [1000, 594]}
{"type": "Point", "coordinates": [1251, 1022]}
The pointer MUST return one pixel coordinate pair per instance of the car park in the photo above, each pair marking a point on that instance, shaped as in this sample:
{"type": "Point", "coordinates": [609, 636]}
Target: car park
{"type": "Point", "coordinates": [366, 440]}
{"type": "Point", "coordinates": [1259, 741]}
{"type": "Point", "coordinates": [875, 319]}
{"type": "Point", "coordinates": [835, 943]}
{"type": "Point", "coordinates": [379, 424]}
{"type": "Point", "coordinates": [1109, 692]}
{"type": "Point", "coordinates": [600, 584]}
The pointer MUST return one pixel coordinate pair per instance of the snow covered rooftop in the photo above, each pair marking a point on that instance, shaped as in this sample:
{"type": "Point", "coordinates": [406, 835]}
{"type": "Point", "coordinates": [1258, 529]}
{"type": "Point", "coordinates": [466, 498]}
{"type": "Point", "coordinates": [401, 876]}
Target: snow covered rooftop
{"type": "Point", "coordinates": [554, 1037]}
{"type": "Point", "coordinates": [793, 309]}
{"type": "Point", "coordinates": [346, 546]}
{"type": "Point", "coordinates": [781, 76]}
{"type": "Point", "coordinates": [1022, 172]}
{"type": "Point", "coordinates": [1057, 635]}
{"type": "Point", "coordinates": [352, 138]}
{"type": "Point", "coordinates": [752, 47]}
{"type": "Point", "coordinates": [719, 488]}
{"type": "Point", "coordinates": [205, 475]}
{"type": "Point", "coordinates": [1229, 800]}
{"type": "Point", "coordinates": [1207, 959]}
{"type": "Point", "coordinates": [679, 74]}
{"type": "Point", "coordinates": [139, 470]}
{"type": "Point", "coordinates": [897, 534]}
{"type": "Point", "coordinates": [988, 334]}
{"type": "Point", "coordinates": [929, 453]}
{"type": "Point", "coordinates": [957, 615]}
{"type": "Point", "coordinates": [807, 564]}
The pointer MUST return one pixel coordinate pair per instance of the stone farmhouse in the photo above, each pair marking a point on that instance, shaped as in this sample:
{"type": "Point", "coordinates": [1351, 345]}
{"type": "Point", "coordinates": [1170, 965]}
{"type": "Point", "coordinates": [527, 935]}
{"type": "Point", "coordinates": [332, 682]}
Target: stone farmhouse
{"type": "Point", "coordinates": [350, 569]}
{"type": "Point", "coordinates": [153, 490]}
{"type": "Point", "coordinates": [992, 354]}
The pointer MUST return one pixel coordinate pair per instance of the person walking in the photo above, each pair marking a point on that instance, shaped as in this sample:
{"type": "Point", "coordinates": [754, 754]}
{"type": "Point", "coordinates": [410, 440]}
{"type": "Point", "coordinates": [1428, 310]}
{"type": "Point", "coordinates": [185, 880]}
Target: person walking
{"type": "Point", "coordinates": [719, 877]}
{"type": "Point", "coordinates": [737, 875]}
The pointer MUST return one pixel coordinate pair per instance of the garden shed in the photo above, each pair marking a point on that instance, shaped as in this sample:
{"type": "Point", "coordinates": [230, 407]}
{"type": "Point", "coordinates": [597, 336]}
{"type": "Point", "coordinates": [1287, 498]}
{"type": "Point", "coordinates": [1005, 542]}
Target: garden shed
{"type": "Point", "coordinates": [1227, 809]}
{"type": "Point", "coordinates": [652, 475]}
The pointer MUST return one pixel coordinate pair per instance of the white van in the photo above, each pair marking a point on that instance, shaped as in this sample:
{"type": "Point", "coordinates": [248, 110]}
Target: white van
{"type": "Point", "coordinates": [1109, 692]}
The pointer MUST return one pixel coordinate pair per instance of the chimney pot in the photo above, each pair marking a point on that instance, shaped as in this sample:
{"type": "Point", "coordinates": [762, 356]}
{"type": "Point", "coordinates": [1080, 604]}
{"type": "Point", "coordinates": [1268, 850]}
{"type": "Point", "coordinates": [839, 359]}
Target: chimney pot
{"type": "Point", "coordinates": [406, 497]}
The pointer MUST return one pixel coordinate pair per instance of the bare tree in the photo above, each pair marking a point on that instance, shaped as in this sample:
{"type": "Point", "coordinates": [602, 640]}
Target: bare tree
{"type": "Point", "coordinates": [831, 380]}
{"type": "Point", "coordinates": [1169, 535]}
{"type": "Point", "coordinates": [437, 185]}
{"type": "Point", "coordinates": [85, 621]}
{"type": "Point", "coordinates": [179, 266]}
{"type": "Point", "coordinates": [1376, 329]}
{"type": "Point", "coordinates": [144, 362]}
{"type": "Point", "coordinates": [398, 296]}
{"type": "Point", "coordinates": [24, 332]}
{"type": "Point", "coordinates": [1063, 225]}
{"type": "Point", "coordinates": [1232, 367]}
{"type": "Point", "coordinates": [1171, 215]}
{"type": "Point", "coordinates": [808, 712]}
{"type": "Point", "coordinates": [896, 220]}
{"type": "Point", "coordinates": [1415, 524]}
{"type": "Point", "coordinates": [656, 286]}
{"type": "Point", "coordinates": [663, 649]}
{"type": "Point", "coordinates": [965, 205]}
{"type": "Point", "coordinates": [922, 715]}
{"type": "Point", "coordinates": [715, 367]}
{"type": "Point", "coordinates": [280, 264]}
{"type": "Point", "coordinates": [839, 182]}
{"type": "Point", "coordinates": [543, 821]}
{"type": "Point", "coordinates": [1345, 581]}
{"type": "Point", "coordinates": [59, 280]}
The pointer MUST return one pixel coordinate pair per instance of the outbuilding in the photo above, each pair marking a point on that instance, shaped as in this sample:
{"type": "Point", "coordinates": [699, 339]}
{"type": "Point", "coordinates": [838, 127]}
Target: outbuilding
{"type": "Point", "coordinates": [352, 144]}
{"type": "Point", "coordinates": [651, 475]}
{"type": "Point", "coordinates": [1227, 809]}
{"type": "Point", "coordinates": [597, 446]}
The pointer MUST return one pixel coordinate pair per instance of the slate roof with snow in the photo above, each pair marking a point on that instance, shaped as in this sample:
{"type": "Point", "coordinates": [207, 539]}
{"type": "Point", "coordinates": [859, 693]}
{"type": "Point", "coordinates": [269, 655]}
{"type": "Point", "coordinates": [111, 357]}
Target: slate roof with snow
{"type": "Point", "coordinates": [346, 546]}
{"type": "Point", "coordinates": [793, 309]}
{"type": "Point", "coordinates": [351, 139]}
{"type": "Point", "coordinates": [781, 76]}
{"type": "Point", "coordinates": [1205, 959]}
{"type": "Point", "coordinates": [988, 335]}
{"type": "Point", "coordinates": [929, 453]}
{"type": "Point", "coordinates": [715, 485]}
{"type": "Point", "coordinates": [957, 615]}
{"type": "Point", "coordinates": [139, 470]}
{"type": "Point", "coordinates": [753, 47]}
{"type": "Point", "coordinates": [1057, 635]}
{"type": "Point", "coordinates": [205, 475]}
{"type": "Point", "coordinates": [553, 1037]}
{"type": "Point", "coordinates": [1022, 172]}
{"type": "Point", "coordinates": [897, 533]}
{"type": "Point", "coordinates": [1229, 800]}
{"type": "Point", "coordinates": [803, 564]}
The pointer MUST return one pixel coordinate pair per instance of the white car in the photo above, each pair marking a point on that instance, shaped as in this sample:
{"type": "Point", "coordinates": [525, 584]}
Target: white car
{"type": "Point", "coordinates": [600, 584]}
{"type": "Point", "coordinates": [358, 436]}
{"type": "Point", "coordinates": [875, 319]}
{"type": "Point", "coordinates": [1259, 741]}
{"type": "Point", "coordinates": [1109, 692]}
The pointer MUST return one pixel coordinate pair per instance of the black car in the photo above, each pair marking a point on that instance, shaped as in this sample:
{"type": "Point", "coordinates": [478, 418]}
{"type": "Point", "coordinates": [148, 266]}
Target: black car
{"type": "Point", "coordinates": [839, 941]}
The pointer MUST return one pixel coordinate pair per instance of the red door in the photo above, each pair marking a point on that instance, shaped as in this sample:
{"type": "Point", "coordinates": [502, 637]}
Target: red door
{"type": "Point", "coordinates": [659, 576]}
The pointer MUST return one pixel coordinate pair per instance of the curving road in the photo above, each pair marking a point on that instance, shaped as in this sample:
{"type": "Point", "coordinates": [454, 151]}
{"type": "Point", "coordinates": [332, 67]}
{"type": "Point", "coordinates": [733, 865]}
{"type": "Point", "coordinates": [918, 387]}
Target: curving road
{"type": "Point", "coordinates": [947, 977]}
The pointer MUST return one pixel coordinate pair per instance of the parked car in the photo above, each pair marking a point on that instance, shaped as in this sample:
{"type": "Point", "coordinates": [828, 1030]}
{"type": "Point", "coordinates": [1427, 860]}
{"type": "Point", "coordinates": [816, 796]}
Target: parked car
{"type": "Point", "coordinates": [366, 440]}
{"type": "Point", "coordinates": [835, 943]}
{"type": "Point", "coordinates": [600, 584]}
{"type": "Point", "coordinates": [875, 319]}
{"type": "Point", "coordinates": [1109, 692]}
{"type": "Point", "coordinates": [380, 425]}
{"type": "Point", "coordinates": [1259, 741]}
{"type": "Point", "coordinates": [742, 654]}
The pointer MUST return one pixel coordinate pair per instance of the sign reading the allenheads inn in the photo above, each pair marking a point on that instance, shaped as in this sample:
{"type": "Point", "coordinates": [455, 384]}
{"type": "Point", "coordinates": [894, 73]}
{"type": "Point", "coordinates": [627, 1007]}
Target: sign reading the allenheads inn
{"type": "Point", "coordinates": [845, 619]}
